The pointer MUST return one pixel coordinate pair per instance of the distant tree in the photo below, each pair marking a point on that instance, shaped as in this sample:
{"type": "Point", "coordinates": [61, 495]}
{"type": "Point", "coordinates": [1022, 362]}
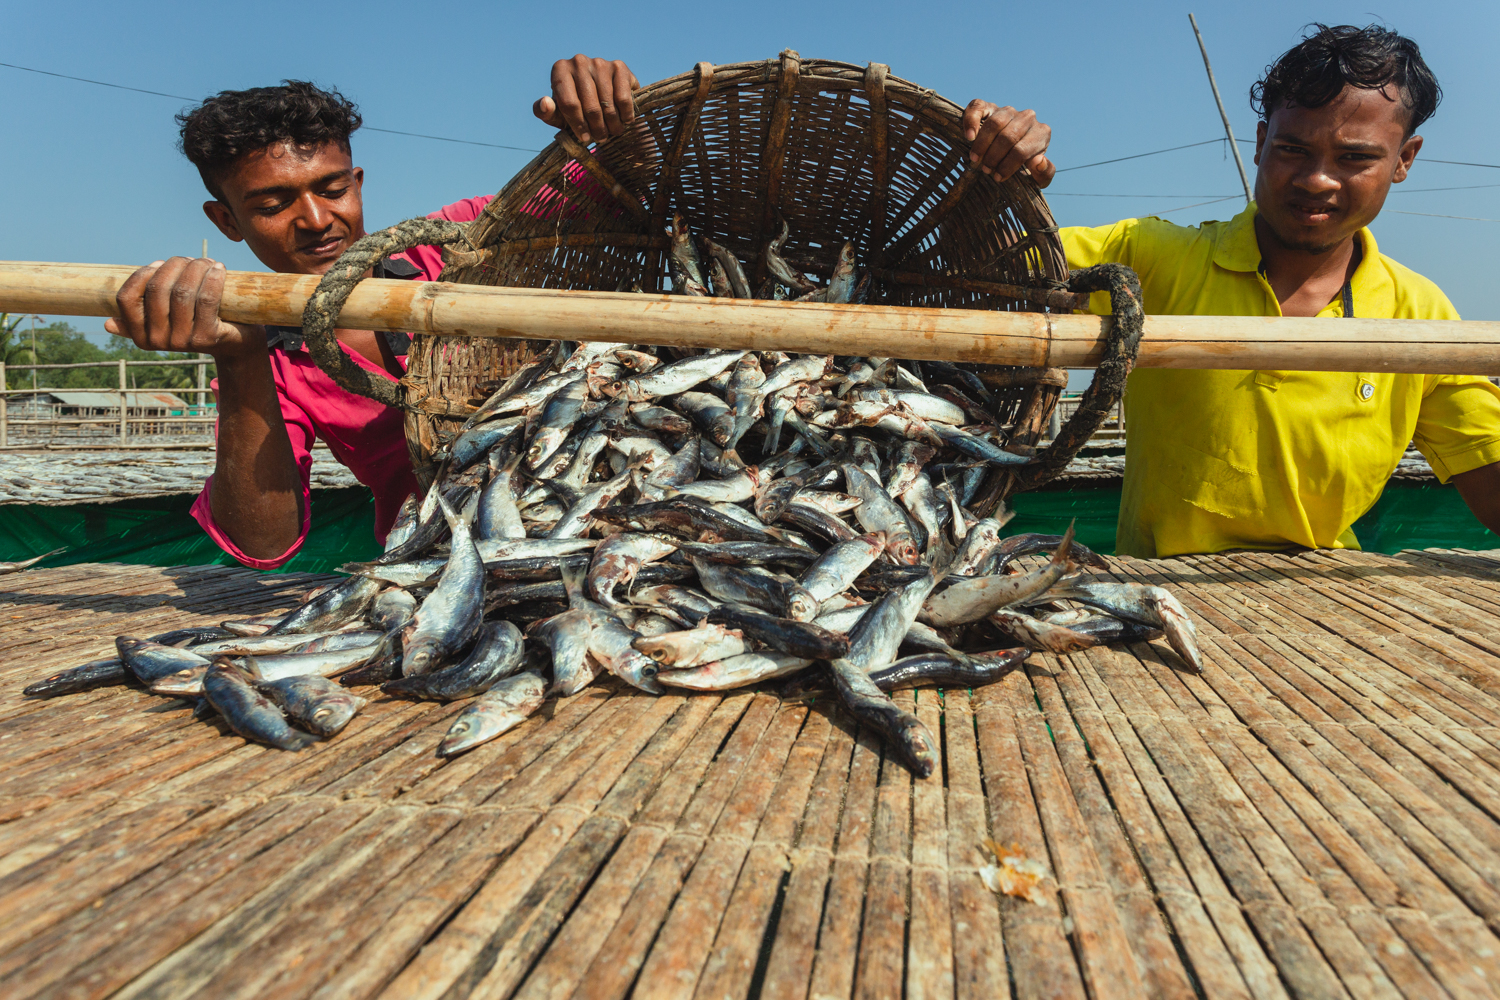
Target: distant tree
{"type": "Point", "coordinates": [13, 350]}
{"type": "Point", "coordinates": [60, 344]}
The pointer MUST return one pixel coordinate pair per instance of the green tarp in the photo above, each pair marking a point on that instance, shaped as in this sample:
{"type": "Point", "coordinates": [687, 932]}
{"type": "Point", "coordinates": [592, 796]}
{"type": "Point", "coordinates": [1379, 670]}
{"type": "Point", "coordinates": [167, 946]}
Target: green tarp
{"type": "Point", "coordinates": [159, 532]}
{"type": "Point", "coordinates": [1408, 515]}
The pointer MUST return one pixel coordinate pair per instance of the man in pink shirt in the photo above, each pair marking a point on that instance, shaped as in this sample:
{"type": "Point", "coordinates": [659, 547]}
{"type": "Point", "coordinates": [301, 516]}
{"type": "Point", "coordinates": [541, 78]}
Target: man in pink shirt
{"type": "Point", "coordinates": [279, 165]}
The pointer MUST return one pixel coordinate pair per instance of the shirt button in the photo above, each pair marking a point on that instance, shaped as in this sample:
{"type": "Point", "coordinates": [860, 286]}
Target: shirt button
{"type": "Point", "coordinates": [1366, 391]}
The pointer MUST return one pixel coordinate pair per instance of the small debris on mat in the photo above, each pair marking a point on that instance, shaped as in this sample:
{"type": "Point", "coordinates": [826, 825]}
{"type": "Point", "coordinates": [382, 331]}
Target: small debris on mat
{"type": "Point", "coordinates": [1014, 874]}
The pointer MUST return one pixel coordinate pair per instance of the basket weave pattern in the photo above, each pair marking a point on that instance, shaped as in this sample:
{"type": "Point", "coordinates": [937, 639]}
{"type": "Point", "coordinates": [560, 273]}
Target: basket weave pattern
{"type": "Point", "coordinates": [841, 152]}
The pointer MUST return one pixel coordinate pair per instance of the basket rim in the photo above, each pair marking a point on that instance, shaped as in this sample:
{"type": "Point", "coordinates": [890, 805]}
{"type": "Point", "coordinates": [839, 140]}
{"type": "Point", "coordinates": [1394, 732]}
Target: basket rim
{"type": "Point", "coordinates": [642, 225]}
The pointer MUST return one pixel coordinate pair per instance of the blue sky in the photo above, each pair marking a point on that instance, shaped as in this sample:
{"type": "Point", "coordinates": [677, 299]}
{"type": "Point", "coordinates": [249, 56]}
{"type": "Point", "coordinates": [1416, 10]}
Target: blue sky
{"type": "Point", "coordinates": [91, 174]}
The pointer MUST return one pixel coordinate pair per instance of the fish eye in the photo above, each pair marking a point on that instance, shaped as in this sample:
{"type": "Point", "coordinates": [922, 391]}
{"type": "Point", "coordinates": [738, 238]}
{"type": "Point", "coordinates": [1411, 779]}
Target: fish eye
{"type": "Point", "coordinates": [649, 671]}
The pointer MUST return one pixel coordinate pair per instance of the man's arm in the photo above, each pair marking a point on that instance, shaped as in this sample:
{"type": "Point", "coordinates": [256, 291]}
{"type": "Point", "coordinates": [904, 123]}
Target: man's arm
{"type": "Point", "coordinates": [1480, 489]}
{"type": "Point", "coordinates": [256, 497]}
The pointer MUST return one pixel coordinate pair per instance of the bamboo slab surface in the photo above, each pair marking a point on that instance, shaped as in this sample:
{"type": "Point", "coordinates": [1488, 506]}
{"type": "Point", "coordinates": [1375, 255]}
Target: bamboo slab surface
{"type": "Point", "coordinates": [1317, 814]}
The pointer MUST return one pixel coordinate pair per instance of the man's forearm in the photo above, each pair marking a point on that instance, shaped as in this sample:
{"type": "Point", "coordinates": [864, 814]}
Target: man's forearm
{"type": "Point", "coordinates": [1480, 489]}
{"type": "Point", "coordinates": [256, 496]}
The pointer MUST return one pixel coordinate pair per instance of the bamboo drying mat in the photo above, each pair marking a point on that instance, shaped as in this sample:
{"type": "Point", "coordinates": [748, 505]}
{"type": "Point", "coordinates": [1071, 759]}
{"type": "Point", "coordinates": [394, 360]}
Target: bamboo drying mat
{"type": "Point", "coordinates": [1314, 816]}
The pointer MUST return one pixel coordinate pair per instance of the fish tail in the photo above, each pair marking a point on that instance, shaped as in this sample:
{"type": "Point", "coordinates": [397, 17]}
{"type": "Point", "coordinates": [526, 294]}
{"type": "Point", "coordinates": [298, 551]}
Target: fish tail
{"type": "Point", "coordinates": [1064, 551]}
{"type": "Point", "coordinates": [573, 579]}
{"type": "Point", "coordinates": [408, 687]}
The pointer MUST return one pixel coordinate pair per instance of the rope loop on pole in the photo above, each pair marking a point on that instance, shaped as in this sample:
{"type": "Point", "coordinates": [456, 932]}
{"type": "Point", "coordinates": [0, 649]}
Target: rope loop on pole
{"type": "Point", "coordinates": [1120, 350]}
{"type": "Point", "coordinates": [320, 316]}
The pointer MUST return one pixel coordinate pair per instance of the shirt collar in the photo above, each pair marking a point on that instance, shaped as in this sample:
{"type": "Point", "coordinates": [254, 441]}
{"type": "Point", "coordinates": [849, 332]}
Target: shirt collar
{"type": "Point", "coordinates": [1371, 285]}
{"type": "Point", "coordinates": [1374, 293]}
{"type": "Point", "coordinates": [289, 338]}
{"type": "Point", "coordinates": [1237, 248]}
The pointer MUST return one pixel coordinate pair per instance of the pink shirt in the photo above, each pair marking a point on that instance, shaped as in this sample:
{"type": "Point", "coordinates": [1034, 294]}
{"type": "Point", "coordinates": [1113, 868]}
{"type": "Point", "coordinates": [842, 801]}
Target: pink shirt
{"type": "Point", "coordinates": [362, 434]}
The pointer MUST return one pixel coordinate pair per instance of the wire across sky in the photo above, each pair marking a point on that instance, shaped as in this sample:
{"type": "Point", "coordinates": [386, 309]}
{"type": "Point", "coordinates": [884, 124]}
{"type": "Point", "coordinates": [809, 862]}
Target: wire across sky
{"type": "Point", "coordinates": [1213, 199]}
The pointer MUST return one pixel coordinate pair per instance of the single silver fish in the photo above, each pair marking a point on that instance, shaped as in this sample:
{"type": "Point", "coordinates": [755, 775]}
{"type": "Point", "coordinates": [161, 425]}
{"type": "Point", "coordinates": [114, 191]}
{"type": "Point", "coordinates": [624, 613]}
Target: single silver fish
{"type": "Point", "coordinates": [562, 411]}
{"type": "Point", "coordinates": [659, 418]}
{"type": "Point", "coordinates": [567, 636]}
{"type": "Point", "coordinates": [911, 456]}
{"type": "Point", "coordinates": [315, 703]}
{"type": "Point", "coordinates": [95, 673]}
{"type": "Point", "coordinates": [873, 644]}
{"type": "Point", "coordinates": [781, 596]}
{"type": "Point", "coordinates": [152, 660]}
{"type": "Point", "coordinates": [498, 515]}
{"type": "Point", "coordinates": [976, 447]}
{"type": "Point", "coordinates": [257, 644]}
{"type": "Point", "coordinates": [448, 619]}
{"type": "Point", "coordinates": [972, 599]}
{"type": "Point", "coordinates": [16, 567]}
{"type": "Point", "coordinates": [739, 284]}
{"type": "Point", "coordinates": [471, 444]}
{"type": "Point", "coordinates": [837, 569]}
{"type": "Point", "coordinates": [841, 285]}
{"type": "Point", "coordinates": [679, 376]}
{"type": "Point", "coordinates": [735, 671]}
{"type": "Point", "coordinates": [694, 646]}
{"type": "Point", "coordinates": [618, 559]}
{"type": "Point", "coordinates": [393, 608]}
{"type": "Point", "coordinates": [1149, 605]}
{"type": "Point", "coordinates": [1037, 634]}
{"type": "Point", "coordinates": [878, 512]}
{"type": "Point", "coordinates": [807, 368]}
{"type": "Point", "coordinates": [920, 500]}
{"type": "Point", "coordinates": [685, 264]}
{"type": "Point", "coordinates": [981, 539]}
{"type": "Point", "coordinates": [344, 603]}
{"type": "Point", "coordinates": [406, 523]}
{"type": "Point", "coordinates": [500, 709]}
{"type": "Point", "coordinates": [708, 411]}
{"type": "Point", "coordinates": [496, 654]}
{"type": "Point", "coordinates": [338, 641]}
{"type": "Point", "coordinates": [780, 269]}
{"type": "Point", "coordinates": [326, 663]}
{"type": "Point", "coordinates": [576, 521]}
{"type": "Point", "coordinates": [742, 486]}
{"type": "Point", "coordinates": [610, 640]}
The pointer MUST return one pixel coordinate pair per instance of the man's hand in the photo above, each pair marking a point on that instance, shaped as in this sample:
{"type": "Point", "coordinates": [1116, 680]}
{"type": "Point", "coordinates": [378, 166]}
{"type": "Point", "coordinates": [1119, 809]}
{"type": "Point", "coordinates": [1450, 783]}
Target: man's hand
{"type": "Point", "coordinates": [174, 306]}
{"type": "Point", "coordinates": [589, 96]}
{"type": "Point", "coordinates": [1003, 140]}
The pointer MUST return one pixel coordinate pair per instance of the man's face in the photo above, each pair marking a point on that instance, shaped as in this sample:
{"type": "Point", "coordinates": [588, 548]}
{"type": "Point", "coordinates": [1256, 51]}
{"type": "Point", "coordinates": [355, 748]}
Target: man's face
{"type": "Point", "coordinates": [297, 208]}
{"type": "Point", "coordinates": [1324, 172]}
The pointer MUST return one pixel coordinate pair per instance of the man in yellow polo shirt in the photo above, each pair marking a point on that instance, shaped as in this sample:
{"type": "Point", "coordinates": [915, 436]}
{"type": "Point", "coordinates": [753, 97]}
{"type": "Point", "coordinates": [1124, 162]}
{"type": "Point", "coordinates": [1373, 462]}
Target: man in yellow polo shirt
{"type": "Point", "coordinates": [1220, 460]}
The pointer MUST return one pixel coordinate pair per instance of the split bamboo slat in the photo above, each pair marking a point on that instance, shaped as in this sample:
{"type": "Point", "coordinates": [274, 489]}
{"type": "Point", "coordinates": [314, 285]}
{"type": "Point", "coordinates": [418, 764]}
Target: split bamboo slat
{"type": "Point", "coordinates": [1032, 339]}
{"type": "Point", "coordinates": [1317, 814]}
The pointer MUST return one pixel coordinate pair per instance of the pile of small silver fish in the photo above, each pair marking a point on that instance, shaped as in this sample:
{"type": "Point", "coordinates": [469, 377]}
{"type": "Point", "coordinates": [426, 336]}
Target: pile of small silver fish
{"type": "Point", "coordinates": [601, 513]}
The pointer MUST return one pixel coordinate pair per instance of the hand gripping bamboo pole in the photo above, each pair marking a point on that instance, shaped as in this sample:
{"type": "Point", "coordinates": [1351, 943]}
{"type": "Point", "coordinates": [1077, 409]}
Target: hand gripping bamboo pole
{"type": "Point", "coordinates": [1010, 338]}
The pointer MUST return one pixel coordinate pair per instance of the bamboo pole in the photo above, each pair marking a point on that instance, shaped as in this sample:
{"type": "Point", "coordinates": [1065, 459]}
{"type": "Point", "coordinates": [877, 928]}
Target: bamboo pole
{"type": "Point", "coordinates": [1223, 115]}
{"type": "Point", "coordinates": [960, 335]}
{"type": "Point", "coordinates": [124, 404]}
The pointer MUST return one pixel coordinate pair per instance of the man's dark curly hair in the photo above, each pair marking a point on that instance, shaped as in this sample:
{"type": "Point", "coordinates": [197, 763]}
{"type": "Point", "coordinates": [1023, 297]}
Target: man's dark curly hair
{"type": "Point", "coordinates": [234, 122]}
{"type": "Point", "coordinates": [1316, 70]}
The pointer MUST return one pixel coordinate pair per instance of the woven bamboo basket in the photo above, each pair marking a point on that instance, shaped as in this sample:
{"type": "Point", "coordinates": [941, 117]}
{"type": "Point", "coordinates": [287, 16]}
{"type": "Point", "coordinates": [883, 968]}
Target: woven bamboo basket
{"type": "Point", "coordinates": [841, 152]}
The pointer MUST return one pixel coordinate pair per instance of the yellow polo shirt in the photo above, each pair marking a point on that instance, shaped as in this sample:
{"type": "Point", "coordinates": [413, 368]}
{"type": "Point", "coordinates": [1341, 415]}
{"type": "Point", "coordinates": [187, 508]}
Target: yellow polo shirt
{"type": "Point", "coordinates": [1220, 460]}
